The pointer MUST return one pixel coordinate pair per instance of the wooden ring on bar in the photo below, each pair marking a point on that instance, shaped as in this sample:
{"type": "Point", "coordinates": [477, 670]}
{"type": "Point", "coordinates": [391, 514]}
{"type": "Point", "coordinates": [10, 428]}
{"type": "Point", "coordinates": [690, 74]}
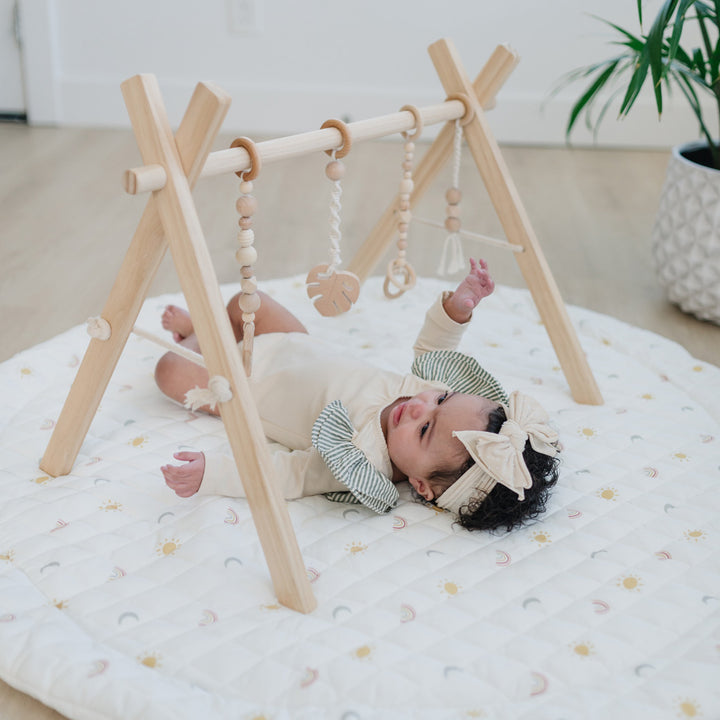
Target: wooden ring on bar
{"type": "Point", "coordinates": [255, 163]}
{"type": "Point", "coordinates": [469, 110]}
{"type": "Point", "coordinates": [418, 122]}
{"type": "Point", "coordinates": [344, 149]}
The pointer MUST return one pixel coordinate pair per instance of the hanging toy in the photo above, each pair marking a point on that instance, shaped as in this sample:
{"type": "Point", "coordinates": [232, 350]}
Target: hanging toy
{"type": "Point", "coordinates": [249, 300]}
{"type": "Point", "coordinates": [400, 273]}
{"type": "Point", "coordinates": [334, 292]}
{"type": "Point", "coordinates": [452, 259]}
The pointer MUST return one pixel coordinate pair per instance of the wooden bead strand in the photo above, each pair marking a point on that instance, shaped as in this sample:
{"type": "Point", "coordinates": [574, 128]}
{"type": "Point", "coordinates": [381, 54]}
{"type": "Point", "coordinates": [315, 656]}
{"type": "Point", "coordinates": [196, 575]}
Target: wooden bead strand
{"type": "Point", "coordinates": [332, 291]}
{"type": "Point", "coordinates": [400, 274]}
{"type": "Point", "coordinates": [246, 255]}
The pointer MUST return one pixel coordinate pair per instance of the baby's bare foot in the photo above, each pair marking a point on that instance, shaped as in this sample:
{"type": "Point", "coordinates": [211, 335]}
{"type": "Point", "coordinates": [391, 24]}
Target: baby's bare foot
{"type": "Point", "coordinates": [177, 321]}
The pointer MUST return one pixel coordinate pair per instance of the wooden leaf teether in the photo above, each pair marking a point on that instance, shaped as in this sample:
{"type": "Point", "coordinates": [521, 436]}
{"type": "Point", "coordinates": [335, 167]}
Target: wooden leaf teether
{"type": "Point", "coordinates": [332, 294]}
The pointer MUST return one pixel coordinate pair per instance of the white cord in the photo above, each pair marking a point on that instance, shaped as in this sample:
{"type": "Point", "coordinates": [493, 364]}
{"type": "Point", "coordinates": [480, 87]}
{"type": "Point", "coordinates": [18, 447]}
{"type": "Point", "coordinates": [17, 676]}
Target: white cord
{"type": "Point", "coordinates": [457, 154]}
{"type": "Point", "coordinates": [503, 244]}
{"type": "Point", "coordinates": [335, 234]}
{"type": "Point", "coordinates": [452, 259]}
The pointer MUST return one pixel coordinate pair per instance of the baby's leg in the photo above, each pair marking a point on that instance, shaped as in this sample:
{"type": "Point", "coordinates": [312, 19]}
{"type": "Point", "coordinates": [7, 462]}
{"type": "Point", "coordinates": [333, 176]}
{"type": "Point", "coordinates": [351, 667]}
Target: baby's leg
{"type": "Point", "coordinates": [176, 375]}
{"type": "Point", "coordinates": [270, 317]}
{"type": "Point", "coordinates": [177, 321]}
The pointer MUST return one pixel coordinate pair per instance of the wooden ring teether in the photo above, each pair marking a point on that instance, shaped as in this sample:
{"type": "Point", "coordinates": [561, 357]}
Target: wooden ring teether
{"type": "Point", "coordinates": [394, 269]}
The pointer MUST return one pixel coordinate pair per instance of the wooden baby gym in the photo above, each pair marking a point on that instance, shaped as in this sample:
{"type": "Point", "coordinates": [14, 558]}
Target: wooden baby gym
{"type": "Point", "coordinates": [175, 162]}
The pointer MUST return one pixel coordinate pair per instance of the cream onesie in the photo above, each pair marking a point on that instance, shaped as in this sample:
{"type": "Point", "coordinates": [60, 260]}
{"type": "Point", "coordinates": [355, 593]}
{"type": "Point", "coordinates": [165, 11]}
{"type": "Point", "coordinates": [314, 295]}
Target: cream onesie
{"type": "Point", "coordinates": [324, 408]}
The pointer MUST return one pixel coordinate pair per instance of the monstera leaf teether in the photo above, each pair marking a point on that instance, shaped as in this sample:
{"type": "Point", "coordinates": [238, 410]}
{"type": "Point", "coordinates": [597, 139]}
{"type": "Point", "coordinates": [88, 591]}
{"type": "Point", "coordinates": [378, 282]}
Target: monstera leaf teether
{"type": "Point", "coordinates": [332, 293]}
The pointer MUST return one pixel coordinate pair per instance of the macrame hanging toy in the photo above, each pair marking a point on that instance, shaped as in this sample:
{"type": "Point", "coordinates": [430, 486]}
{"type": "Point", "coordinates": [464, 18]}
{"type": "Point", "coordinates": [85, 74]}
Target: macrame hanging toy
{"type": "Point", "coordinates": [400, 274]}
{"type": "Point", "coordinates": [452, 259]}
{"type": "Point", "coordinates": [332, 291]}
{"type": "Point", "coordinates": [249, 300]}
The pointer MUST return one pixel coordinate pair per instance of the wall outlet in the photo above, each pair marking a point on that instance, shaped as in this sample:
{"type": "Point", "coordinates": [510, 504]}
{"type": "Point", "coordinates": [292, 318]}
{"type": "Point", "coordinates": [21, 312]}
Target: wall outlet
{"type": "Point", "coordinates": [244, 16]}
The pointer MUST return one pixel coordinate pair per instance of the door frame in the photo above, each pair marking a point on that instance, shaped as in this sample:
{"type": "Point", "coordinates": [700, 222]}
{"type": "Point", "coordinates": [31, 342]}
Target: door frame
{"type": "Point", "coordinates": [39, 31]}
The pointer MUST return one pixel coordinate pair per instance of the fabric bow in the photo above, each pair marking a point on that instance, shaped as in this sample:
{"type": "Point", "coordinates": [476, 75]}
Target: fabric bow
{"type": "Point", "coordinates": [499, 456]}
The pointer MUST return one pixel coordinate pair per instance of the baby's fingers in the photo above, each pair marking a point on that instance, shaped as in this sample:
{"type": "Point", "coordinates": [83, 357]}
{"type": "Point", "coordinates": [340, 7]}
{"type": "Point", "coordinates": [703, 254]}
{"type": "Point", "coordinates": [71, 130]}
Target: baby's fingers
{"type": "Point", "coordinates": [186, 456]}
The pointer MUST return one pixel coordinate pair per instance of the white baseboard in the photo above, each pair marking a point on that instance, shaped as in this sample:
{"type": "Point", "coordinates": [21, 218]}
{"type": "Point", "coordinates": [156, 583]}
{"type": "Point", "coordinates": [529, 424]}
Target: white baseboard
{"type": "Point", "coordinates": [517, 119]}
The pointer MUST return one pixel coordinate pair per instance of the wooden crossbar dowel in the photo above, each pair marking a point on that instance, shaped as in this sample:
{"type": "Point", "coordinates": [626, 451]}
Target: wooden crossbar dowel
{"type": "Point", "coordinates": [193, 357]}
{"type": "Point", "coordinates": [205, 114]}
{"type": "Point", "coordinates": [152, 177]}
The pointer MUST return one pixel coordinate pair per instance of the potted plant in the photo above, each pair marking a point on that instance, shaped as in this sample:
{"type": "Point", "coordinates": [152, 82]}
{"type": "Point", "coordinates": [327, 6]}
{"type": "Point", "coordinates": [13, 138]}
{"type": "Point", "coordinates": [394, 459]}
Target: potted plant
{"type": "Point", "coordinates": [686, 233]}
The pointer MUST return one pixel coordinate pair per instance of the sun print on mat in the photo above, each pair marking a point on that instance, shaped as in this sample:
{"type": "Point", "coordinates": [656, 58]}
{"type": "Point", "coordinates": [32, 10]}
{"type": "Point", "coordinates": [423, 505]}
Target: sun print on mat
{"type": "Point", "coordinates": [542, 537]}
{"type": "Point", "coordinates": [111, 505]}
{"type": "Point", "coordinates": [364, 652]}
{"type": "Point", "coordinates": [449, 588]}
{"type": "Point", "coordinates": [583, 649]}
{"type": "Point", "coordinates": [630, 582]}
{"type": "Point", "coordinates": [355, 548]}
{"type": "Point", "coordinates": [151, 660]}
{"type": "Point", "coordinates": [167, 546]}
{"type": "Point", "coordinates": [687, 708]}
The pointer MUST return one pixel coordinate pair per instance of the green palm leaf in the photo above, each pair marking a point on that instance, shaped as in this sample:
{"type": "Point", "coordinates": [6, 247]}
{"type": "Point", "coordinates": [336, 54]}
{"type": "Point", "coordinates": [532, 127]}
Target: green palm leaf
{"type": "Point", "coordinates": [660, 56]}
{"type": "Point", "coordinates": [586, 99]}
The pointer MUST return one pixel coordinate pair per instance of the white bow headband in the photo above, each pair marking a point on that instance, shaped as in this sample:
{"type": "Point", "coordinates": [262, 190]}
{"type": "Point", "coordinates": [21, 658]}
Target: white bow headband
{"type": "Point", "coordinates": [499, 456]}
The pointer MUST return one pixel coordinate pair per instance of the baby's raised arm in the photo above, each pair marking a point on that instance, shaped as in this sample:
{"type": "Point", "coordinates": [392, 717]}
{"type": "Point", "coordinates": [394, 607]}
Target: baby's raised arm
{"type": "Point", "coordinates": [447, 318]}
{"type": "Point", "coordinates": [477, 285]}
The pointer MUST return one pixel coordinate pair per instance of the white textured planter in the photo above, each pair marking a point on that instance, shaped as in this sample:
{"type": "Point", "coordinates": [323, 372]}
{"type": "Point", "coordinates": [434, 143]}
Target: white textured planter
{"type": "Point", "coordinates": [686, 235]}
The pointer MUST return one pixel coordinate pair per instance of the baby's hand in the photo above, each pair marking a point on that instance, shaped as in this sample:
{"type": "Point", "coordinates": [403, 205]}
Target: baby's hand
{"type": "Point", "coordinates": [185, 480]}
{"type": "Point", "coordinates": [477, 285]}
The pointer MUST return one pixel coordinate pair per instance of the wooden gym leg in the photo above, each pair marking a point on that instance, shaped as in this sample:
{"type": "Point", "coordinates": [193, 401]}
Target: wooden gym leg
{"type": "Point", "coordinates": [516, 224]}
{"type": "Point", "coordinates": [212, 326]}
{"type": "Point", "coordinates": [204, 116]}
{"type": "Point", "coordinates": [487, 84]}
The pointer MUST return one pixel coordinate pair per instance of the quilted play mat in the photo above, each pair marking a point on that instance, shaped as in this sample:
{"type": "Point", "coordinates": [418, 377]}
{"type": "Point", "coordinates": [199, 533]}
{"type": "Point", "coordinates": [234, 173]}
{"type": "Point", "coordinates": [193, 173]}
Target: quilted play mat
{"type": "Point", "coordinates": [120, 600]}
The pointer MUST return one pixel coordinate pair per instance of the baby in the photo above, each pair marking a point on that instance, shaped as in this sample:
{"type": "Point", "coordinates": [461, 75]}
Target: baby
{"type": "Point", "coordinates": [355, 430]}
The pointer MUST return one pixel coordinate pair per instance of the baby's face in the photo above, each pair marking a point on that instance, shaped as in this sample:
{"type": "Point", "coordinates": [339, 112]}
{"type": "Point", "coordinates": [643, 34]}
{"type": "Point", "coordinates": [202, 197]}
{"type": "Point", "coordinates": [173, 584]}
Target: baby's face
{"type": "Point", "coordinates": [419, 430]}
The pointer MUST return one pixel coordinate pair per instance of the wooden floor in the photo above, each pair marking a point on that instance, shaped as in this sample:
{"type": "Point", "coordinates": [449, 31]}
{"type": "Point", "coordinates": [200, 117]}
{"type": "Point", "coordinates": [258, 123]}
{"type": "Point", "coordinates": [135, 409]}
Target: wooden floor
{"type": "Point", "coordinates": [66, 224]}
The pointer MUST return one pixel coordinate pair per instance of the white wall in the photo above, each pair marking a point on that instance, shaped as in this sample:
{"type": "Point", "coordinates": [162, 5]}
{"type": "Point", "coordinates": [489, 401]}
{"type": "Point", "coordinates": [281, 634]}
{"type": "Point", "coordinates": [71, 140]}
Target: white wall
{"type": "Point", "coordinates": [323, 58]}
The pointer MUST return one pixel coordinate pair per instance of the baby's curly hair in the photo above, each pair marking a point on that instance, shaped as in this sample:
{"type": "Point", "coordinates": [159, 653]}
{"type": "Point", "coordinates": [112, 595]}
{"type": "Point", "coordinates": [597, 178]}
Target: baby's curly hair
{"type": "Point", "coordinates": [501, 509]}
